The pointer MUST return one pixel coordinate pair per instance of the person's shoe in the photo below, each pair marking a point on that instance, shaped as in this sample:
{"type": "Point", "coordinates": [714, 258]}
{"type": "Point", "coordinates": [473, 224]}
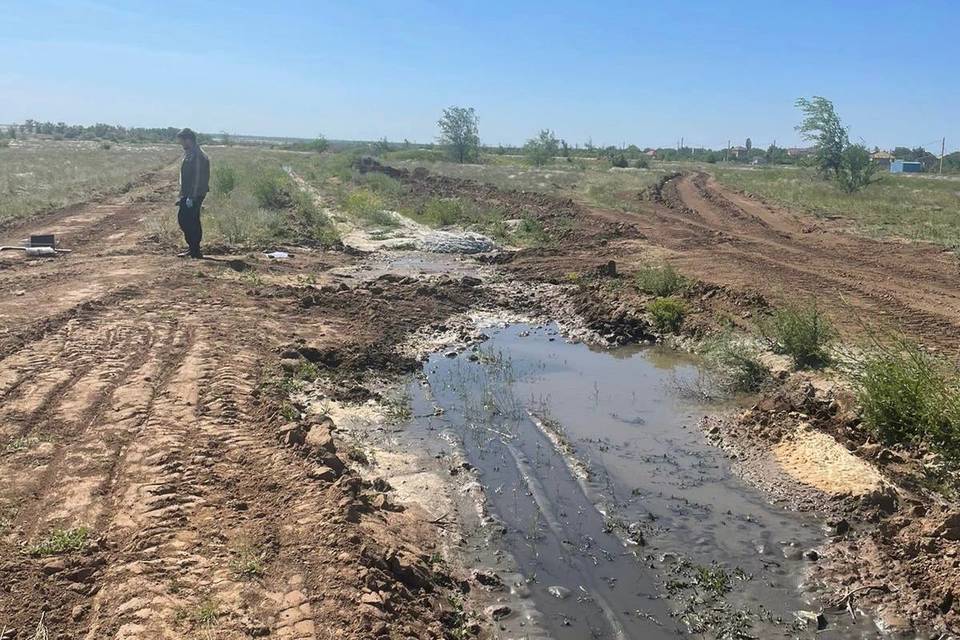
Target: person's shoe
{"type": "Point", "coordinates": [184, 254]}
{"type": "Point", "coordinates": [196, 255]}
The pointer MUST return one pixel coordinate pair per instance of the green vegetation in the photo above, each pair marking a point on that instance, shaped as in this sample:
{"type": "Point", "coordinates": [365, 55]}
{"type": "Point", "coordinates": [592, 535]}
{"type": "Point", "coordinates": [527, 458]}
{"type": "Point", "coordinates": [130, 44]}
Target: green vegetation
{"type": "Point", "coordinates": [61, 541]}
{"type": "Point", "coordinates": [801, 332]}
{"type": "Point", "coordinates": [460, 133]}
{"type": "Point", "coordinates": [42, 176]}
{"type": "Point", "coordinates": [254, 203]}
{"type": "Point", "coordinates": [735, 366]}
{"type": "Point", "coordinates": [912, 207]}
{"type": "Point", "coordinates": [836, 159]}
{"type": "Point", "coordinates": [910, 396]}
{"type": "Point", "coordinates": [247, 563]}
{"type": "Point", "coordinates": [659, 281]}
{"type": "Point", "coordinates": [542, 149]}
{"type": "Point", "coordinates": [667, 314]}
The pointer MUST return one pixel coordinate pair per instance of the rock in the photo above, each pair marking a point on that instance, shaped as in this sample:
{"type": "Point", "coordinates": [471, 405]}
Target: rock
{"type": "Point", "coordinates": [837, 527]}
{"type": "Point", "coordinates": [320, 439]}
{"type": "Point", "coordinates": [470, 281]}
{"type": "Point", "coordinates": [450, 354]}
{"type": "Point", "coordinates": [888, 455]}
{"type": "Point", "coordinates": [292, 434]}
{"type": "Point", "coordinates": [488, 579]}
{"type": "Point", "coordinates": [811, 555]}
{"type": "Point", "coordinates": [558, 592]}
{"type": "Point", "coordinates": [290, 364]}
{"type": "Point", "coordinates": [812, 618]}
{"type": "Point", "coordinates": [884, 498]}
{"type": "Point", "coordinates": [869, 450]}
{"type": "Point", "coordinates": [372, 598]}
{"type": "Point", "coordinates": [949, 528]}
{"type": "Point", "coordinates": [498, 611]}
{"type": "Point", "coordinates": [608, 270]}
{"type": "Point", "coordinates": [54, 566]}
{"type": "Point", "coordinates": [323, 473]}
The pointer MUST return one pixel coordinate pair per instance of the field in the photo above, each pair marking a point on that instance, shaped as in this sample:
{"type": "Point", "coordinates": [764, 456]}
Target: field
{"type": "Point", "coordinates": [37, 177]}
{"type": "Point", "coordinates": [915, 207]}
{"type": "Point", "coordinates": [342, 441]}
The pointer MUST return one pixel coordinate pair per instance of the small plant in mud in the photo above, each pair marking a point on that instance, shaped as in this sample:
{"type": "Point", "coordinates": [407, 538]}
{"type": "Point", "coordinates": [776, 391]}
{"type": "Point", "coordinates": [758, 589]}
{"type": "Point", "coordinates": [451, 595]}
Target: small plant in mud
{"type": "Point", "coordinates": [206, 614]}
{"type": "Point", "coordinates": [660, 281]}
{"type": "Point", "coordinates": [456, 620]}
{"type": "Point", "coordinates": [61, 541]}
{"type": "Point", "coordinates": [20, 444]}
{"type": "Point", "coordinates": [398, 407]}
{"type": "Point", "coordinates": [801, 332]}
{"type": "Point", "coordinates": [910, 397]}
{"type": "Point", "coordinates": [667, 314]}
{"type": "Point", "coordinates": [700, 592]}
{"type": "Point", "coordinates": [289, 412]}
{"type": "Point", "coordinates": [247, 563]}
{"type": "Point", "coordinates": [735, 367]}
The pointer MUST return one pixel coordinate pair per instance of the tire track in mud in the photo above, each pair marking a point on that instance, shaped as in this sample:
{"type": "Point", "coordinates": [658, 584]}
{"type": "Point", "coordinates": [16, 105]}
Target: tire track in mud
{"type": "Point", "coordinates": [698, 215]}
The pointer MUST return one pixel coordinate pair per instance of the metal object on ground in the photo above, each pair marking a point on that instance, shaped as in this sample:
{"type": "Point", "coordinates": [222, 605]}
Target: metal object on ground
{"type": "Point", "coordinates": [38, 246]}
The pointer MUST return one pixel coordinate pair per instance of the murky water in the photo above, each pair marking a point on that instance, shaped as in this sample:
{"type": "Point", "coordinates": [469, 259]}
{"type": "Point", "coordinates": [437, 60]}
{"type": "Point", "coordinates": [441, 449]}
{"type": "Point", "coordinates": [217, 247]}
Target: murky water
{"type": "Point", "coordinates": [607, 512]}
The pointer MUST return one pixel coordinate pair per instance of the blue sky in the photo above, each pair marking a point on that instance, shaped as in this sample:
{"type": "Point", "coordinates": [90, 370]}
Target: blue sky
{"type": "Point", "coordinates": [617, 72]}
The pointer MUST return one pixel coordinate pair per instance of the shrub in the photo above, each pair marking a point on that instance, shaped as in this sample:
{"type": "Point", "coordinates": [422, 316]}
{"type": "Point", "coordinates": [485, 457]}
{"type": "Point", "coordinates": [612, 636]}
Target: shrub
{"type": "Point", "coordinates": [642, 162]}
{"type": "Point", "coordinates": [667, 314]}
{"type": "Point", "coordinates": [802, 332]}
{"type": "Point", "coordinates": [736, 366]}
{"type": "Point", "coordinates": [856, 169]}
{"type": "Point", "coordinates": [442, 211]}
{"type": "Point", "coordinates": [909, 396]}
{"type": "Point", "coordinates": [619, 161]}
{"type": "Point", "coordinates": [271, 189]}
{"type": "Point", "coordinates": [365, 204]}
{"type": "Point", "coordinates": [224, 179]}
{"type": "Point", "coordinates": [660, 281]}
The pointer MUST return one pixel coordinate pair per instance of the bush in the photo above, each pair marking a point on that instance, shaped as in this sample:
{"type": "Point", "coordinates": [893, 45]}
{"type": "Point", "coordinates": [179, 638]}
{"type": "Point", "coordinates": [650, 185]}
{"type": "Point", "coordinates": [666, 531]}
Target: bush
{"type": "Point", "coordinates": [803, 333]}
{"type": "Point", "coordinates": [271, 190]}
{"type": "Point", "coordinates": [441, 212]}
{"type": "Point", "coordinates": [224, 179]}
{"type": "Point", "coordinates": [619, 161]}
{"type": "Point", "coordinates": [542, 149]}
{"type": "Point", "coordinates": [911, 397]}
{"type": "Point", "coordinates": [642, 162]}
{"type": "Point", "coordinates": [365, 204]}
{"type": "Point", "coordinates": [660, 281]}
{"type": "Point", "coordinates": [736, 366]}
{"type": "Point", "coordinates": [856, 169]}
{"type": "Point", "coordinates": [667, 314]}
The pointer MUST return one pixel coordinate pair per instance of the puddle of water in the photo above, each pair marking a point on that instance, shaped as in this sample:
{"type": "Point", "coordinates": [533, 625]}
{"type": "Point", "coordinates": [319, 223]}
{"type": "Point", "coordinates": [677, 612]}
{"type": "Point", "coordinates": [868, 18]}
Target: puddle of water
{"type": "Point", "coordinates": [659, 511]}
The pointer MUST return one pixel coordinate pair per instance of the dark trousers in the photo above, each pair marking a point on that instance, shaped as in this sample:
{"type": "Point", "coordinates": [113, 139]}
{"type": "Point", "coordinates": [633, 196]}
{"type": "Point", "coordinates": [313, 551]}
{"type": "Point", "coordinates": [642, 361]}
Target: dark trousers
{"type": "Point", "coordinates": [189, 219]}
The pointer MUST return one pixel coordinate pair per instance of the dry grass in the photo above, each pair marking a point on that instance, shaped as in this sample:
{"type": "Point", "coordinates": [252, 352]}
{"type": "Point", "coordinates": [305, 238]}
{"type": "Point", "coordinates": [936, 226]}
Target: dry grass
{"type": "Point", "coordinates": [37, 176]}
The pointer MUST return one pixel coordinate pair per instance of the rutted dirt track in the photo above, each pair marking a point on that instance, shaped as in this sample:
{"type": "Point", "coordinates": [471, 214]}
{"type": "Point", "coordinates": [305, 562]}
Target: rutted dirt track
{"type": "Point", "coordinates": [131, 404]}
{"type": "Point", "coordinates": [727, 238]}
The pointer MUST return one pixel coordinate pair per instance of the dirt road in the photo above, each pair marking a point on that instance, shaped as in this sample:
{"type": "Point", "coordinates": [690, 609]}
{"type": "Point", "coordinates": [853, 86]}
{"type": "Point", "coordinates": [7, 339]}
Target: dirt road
{"type": "Point", "coordinates": [133, 416]}
{"type": "Point", "coordinates": [730, 239]}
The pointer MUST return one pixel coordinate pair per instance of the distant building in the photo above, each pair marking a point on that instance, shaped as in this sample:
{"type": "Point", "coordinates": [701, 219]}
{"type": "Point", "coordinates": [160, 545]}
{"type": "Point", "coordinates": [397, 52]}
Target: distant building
{"type": "Point", "coordinates": [905, 166]}
{"type": "Point", "coordinates": [650, 153]}
{"type": "Point", "coordinates": [800, 152]}
{"type": "Point", "coordinates": [882, 159]}
{"type": "Point", "coordinates": [738, 152]}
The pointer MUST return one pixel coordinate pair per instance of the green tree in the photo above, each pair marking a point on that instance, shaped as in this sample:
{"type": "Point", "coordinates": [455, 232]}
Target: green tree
{"type": "Point", "coordinates": [320, 144]}
{"type": "Point", "coordinates": [856, 169]}
{"type": "Point", "coordinates": [749, 145]}
{"type": "Point", "coordinates": [381, 146]}
{"type": "Point", "coordinates": [821, 125]}
{"type": "Point", "coordinates": [460, 133]}
{"type": "Point", "coordinates": [542, 149]}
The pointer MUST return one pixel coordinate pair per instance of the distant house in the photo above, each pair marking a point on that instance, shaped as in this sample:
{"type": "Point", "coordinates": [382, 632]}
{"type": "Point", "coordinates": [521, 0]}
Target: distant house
{"type": "Point", "coordinates": [882, 159]}
{"type": "Point", "coordinates": [905, 166]}
{"type": "Point", "coordinates": [738, 152]}
{"type": "Point", "coordinates": [800, 152]}
{"type": "Point", "coordinates": [650, 153]}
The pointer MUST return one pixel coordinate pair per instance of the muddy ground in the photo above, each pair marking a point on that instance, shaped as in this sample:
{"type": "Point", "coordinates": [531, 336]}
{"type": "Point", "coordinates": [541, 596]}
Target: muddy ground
{"type": "Point", "coordinates": [143, 410]}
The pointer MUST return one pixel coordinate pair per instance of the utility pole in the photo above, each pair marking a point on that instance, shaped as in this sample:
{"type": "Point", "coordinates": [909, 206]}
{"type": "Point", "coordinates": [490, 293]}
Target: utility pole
{"type": "Point", "coordinates": [681, 143]}
{"type": "Point", "coordinates": [726, 152]}
{"type": "Point", "coordinates": [943, 144]}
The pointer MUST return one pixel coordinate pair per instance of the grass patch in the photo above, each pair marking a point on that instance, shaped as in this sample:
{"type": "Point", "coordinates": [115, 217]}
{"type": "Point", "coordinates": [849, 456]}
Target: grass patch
{"type": "Point", "coordinates": [667, 314]}
{"type": "Point", "coordinates": [660, 281]}
{"type": "Point", "coordinates": [734, 366]}
{"type": "Point", "coordinates": [61, 541]}
{"type": "Point", "coordinates": [914, 207]}
{"type": "Point", "coordinates": [247, 563]}
{"type": "Point", "coordinates": [911, 397]}
{"type": "Point", "coordinates": [801, 332]}
{"type": "Point", "coordinates": [367, 205]}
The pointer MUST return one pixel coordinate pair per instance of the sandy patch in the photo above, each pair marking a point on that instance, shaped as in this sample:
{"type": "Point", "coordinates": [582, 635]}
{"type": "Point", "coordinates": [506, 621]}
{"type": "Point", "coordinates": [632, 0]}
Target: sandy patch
{"type": "Point", "coordinates": [816, 459]}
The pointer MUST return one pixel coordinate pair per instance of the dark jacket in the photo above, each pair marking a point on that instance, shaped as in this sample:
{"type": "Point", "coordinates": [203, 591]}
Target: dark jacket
{"type": "Point", "coordinates": [194, 174]}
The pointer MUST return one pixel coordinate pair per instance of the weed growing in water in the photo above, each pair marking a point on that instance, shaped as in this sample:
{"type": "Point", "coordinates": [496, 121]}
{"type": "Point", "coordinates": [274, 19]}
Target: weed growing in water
{"type": "Point", "coordinates": [660, 281]}
{"type": "Point", "coordinates": [667, 314]}
{"type": "Point", "coordinates": [801, 332]}
{"type": "Point", "coordinates": [61, 541]}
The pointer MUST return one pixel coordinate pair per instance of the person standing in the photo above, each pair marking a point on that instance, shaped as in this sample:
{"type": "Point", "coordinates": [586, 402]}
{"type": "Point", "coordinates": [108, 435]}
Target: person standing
{"type": "Point", "coordinates": [194, 185]}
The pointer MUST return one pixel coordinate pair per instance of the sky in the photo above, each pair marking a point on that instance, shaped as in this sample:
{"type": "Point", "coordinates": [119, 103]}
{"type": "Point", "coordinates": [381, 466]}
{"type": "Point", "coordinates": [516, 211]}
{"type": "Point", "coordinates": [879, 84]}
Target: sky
{"type": "Point", "coordinates": [630, 72]}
